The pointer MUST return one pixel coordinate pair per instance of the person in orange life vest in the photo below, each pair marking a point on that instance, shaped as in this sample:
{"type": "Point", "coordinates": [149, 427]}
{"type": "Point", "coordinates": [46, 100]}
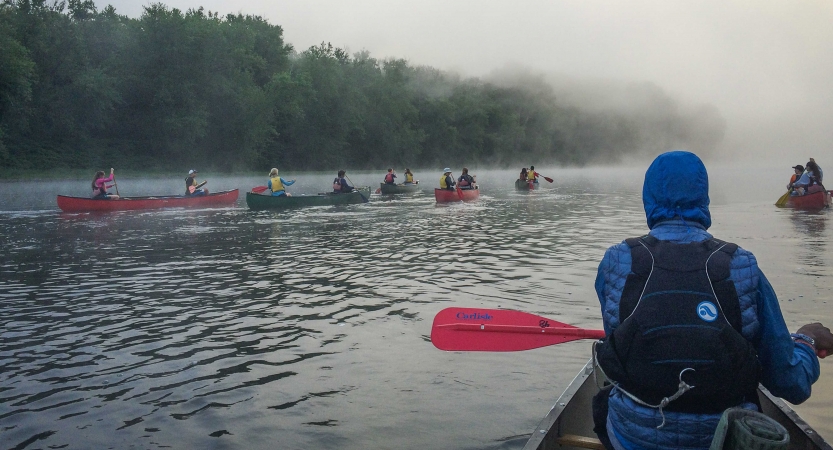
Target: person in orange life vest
{"type": "Point", "coordinates": [447, 181]}
{"type": "Point", "coordinates": [799, 169]}
{"type": "Point", "coordinates": [391, 175]}
{"type": "Point", "coordinates": [531, 174]}
{"type": "Point", "coordinates": [100, 186]}
{"type": "Point", "coordinates": [466, 181]}
{"type": "Point", "coordinates": [409, 177]}
{"type": "Point", "coordinates": [192, 187]}
{"type": "Point", "coordinates": [276, 184]}
{"type": "Point", "coordinates": [340, 185]}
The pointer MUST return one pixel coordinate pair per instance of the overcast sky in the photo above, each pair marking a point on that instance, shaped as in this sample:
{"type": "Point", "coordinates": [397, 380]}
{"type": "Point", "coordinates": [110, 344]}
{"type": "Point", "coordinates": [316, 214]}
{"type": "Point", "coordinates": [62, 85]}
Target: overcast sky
{"type": "Point", "coordinates": [766, 65]}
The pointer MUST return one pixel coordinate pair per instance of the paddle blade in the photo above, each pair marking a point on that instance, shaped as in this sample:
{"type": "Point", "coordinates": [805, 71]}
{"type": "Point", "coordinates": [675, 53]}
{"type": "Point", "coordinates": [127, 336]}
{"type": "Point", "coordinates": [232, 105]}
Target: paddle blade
{"type": "Point", "coordinates": [378, 190]}
{"type": "Point", "coordinates": [460, 193]}
{"type": "Point", "coordinates": [259, 189]}
{"type": "Point", "coordinates": [783, 200]}
{"type": "Point", "coordinates": [549, 180]}
{"type": "Point", "coordinates": [498, 330]}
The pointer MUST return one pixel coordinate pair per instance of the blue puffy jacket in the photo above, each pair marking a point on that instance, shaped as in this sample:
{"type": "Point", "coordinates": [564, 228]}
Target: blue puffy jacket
{"type": "Point", "coordinates": [676, 199]}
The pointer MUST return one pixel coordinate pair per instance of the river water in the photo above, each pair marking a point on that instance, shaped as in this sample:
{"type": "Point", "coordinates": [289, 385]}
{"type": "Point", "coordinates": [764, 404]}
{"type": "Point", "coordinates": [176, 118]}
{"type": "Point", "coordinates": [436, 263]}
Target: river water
{"type": "Point", "coordinates": [310, 328]}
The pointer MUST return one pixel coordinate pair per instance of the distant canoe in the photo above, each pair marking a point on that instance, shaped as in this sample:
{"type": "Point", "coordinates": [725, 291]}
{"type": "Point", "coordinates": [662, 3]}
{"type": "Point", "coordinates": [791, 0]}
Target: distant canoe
{"type": "Point", "coordinates": [260, 202]}
{"type": "Point", "coordinates": [446, 196]}
{"type": "Point", "coordinates": [525, 186]}
{"type": "Point", "coordinates": [83, 204]}
{"type": "Point", "coordinates": [390, 189]}
{"type": "Point", "coordinates": [809, 201]}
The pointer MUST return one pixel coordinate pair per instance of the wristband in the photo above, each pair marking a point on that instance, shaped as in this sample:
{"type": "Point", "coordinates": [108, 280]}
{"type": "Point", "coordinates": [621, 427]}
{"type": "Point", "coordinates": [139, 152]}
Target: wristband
{"type": "Point", "coordinates": [805, 339]}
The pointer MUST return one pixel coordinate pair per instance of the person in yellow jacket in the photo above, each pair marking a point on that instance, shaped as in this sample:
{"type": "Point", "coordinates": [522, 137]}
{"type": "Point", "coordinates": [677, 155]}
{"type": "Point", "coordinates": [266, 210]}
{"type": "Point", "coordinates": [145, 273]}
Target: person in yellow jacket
{"type": "Point", "coordinates": [409, 177]}
{"type": "Point", "coordinates": [447, 181]}
{"type": "Point", "coordinates": [531, 174]}
{"type": "Point", "coordinates": [277, 184]}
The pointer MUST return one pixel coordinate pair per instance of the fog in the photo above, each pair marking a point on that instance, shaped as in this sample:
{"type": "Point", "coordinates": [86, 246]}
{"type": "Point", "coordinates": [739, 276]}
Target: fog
{"type": "Point", "coordinates": [765, 66]}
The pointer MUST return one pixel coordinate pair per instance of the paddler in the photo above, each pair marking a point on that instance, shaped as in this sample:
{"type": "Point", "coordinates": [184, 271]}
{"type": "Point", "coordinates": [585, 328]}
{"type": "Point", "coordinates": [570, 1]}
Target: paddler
{"type": "Point", "coordinates": [192, 188]}
{"type": "Point", "coordinates": [531, 174]}
{"type": "Point", "coordinates": [447, 181]}
{"type": "Point", "coordinates": [466, 181]}
{"type": "Point", "coordinates": [409, 177]}
{"type": "Point", "coordinates": [799, 170]}
{"type": "Point", "coordinates": [100, 186]}
{"type": "Point", "coordinates": [276, 184]}
{"type": "Point", "coordinates": [390, 177]}
{"type": "Point", "coordinates": [340, 185]}
{"type": "Point", "coordinates": [692, 323]}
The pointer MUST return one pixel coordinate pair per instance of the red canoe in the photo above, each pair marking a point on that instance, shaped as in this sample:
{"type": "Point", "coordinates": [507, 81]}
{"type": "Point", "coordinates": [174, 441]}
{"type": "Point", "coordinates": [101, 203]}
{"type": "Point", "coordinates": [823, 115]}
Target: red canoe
{"type": "Point", "coordinates": [445, 196]}
{"type": "Point", "coordinates": [82, 204]}
{"type": "Point", "coordinates": [809, 201]}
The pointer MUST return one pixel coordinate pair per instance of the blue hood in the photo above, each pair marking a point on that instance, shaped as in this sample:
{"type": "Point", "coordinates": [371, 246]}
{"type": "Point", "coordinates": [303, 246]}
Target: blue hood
{"type": "Point", "coordinates": [676, 186]}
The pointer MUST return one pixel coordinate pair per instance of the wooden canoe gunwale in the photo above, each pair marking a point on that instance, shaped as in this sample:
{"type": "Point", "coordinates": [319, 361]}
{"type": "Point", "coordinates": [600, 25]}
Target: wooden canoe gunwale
{"type": "Point", "coordinates": [572, 415]}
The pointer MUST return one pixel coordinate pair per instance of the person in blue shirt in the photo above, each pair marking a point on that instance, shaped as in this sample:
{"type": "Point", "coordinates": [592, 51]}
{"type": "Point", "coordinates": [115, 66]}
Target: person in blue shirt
{"type": "Point", "coordinates": [692, 324]}
{"type": "Point", "coordinates": [340, 185]}
{"type": "Point", "coordinates": [277, 184]}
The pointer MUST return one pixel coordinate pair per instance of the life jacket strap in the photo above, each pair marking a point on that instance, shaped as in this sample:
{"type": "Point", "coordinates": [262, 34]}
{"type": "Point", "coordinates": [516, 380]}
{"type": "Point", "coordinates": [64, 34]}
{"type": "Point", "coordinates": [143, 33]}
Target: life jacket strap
{"type": "Point", "coordinates": [682, 388]}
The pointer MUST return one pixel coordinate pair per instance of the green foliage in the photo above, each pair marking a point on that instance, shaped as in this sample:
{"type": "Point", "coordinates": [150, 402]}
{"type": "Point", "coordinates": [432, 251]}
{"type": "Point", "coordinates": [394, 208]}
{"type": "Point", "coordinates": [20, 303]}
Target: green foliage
{"type": "Point", "coordinates": [87, 88]}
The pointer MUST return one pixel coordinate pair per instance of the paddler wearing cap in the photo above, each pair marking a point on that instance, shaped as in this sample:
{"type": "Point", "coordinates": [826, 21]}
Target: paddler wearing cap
{"type": "Point", "coordinates": [447, 181]}
{"type": "Point", "coordinates": [191, 186]}
{"type": "Point", "coordinates": [799, 169]}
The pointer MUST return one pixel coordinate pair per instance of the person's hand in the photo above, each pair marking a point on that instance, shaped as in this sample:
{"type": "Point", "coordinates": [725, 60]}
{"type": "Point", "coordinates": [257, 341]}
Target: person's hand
{"type": "Point", "coordinates": [111, 170]}
{"type": "Point", "coordinates": [821, 334]}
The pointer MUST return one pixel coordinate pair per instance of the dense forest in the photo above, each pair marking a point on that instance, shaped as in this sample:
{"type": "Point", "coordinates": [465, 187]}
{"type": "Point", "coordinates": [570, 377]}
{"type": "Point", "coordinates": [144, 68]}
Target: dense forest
{"type": "Point", "coordinates": [88, 88]}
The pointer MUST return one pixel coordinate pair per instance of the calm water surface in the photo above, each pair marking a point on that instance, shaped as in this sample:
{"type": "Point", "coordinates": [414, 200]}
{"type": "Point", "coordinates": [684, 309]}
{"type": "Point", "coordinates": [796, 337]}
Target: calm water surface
{"type": "Point", "coordinates": [225, 328]}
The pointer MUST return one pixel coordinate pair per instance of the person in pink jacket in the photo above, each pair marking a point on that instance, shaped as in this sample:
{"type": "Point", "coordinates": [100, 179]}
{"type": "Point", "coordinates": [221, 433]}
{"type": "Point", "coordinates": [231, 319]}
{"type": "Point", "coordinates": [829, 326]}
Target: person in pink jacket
{"type": "Point", "coordinates": [100, 186]}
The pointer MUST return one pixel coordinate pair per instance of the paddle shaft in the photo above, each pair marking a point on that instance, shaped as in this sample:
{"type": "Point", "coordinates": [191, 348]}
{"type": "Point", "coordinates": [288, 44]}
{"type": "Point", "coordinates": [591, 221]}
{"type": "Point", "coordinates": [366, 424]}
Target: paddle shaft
{"type": "Point", "coordinates": [525, 329]}
{"type": "Point", "coordinates": [116, 185]}
{"type": "Point", "coordinates": [357, 190]}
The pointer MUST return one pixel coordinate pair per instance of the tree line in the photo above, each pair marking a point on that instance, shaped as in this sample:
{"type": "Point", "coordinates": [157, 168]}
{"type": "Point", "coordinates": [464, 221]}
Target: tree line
{"type": "Point", "coordinates": [88, 88]}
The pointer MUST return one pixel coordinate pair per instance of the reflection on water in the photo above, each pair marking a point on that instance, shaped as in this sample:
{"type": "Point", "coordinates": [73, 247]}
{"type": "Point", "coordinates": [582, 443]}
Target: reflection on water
{"type": "Point", "coordinates": [810, 227]}
{"type": "Point", "coordinates": [227, 328]}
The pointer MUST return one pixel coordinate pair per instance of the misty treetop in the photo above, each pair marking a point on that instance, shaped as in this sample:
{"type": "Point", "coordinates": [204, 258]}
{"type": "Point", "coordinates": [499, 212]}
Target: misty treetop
{"type": "Point", "coordinates": [83, 88]}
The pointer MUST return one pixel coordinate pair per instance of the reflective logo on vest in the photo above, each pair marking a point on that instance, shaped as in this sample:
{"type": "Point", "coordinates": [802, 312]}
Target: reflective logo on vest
{"type": "Point", "coordinates": [707, 311]}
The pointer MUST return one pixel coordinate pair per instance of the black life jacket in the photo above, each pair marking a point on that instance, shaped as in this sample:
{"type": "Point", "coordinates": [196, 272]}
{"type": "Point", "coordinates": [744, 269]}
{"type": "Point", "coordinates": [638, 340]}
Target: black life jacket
{"type": "Point", "coordinates": [680, 310]}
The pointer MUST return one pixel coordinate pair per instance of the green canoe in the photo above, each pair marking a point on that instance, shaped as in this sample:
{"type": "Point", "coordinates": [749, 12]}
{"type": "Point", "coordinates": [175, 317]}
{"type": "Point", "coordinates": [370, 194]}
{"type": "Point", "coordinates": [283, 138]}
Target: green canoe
{"type": "Point", "coordinates": [390, 189]}
{"type": "Point", "coordinates": [259, 202]}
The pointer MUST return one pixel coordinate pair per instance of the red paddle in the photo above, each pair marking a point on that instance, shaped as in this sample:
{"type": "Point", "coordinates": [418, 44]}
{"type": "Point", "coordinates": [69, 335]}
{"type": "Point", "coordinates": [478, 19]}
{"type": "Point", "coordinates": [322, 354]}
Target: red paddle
{"type": "Point", "coordinates": [460, 193]}
{"type": "Point", "coordinates": [503, 330]}
{"type": "Point", "coordinates": [499, 330]}
{"type": "Point", "coordinates": [259, 189]}
{"type": "Point", "coordinates": [547, 178]}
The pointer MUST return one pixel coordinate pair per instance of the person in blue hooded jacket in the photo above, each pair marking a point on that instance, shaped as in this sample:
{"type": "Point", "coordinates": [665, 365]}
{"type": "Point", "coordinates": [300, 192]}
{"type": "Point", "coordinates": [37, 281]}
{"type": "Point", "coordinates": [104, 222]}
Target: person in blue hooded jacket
{"type": "Point", "coordinates": [692, 324]}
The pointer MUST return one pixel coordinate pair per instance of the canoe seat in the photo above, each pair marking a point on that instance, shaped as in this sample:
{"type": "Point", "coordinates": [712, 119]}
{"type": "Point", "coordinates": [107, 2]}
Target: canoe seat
{"type": "Point", "coordinates": [572, 440]}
